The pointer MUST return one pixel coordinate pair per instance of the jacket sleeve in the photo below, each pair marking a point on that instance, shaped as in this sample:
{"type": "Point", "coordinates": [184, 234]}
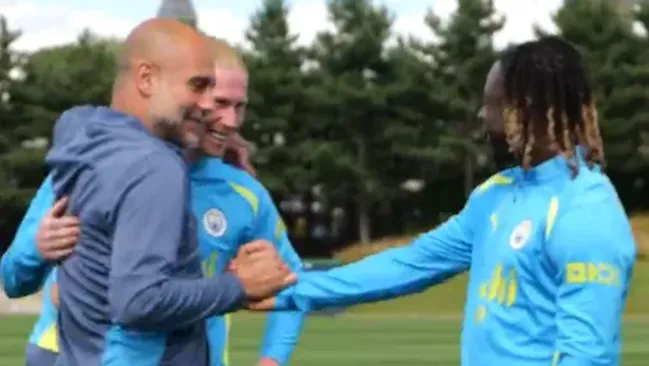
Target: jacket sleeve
{"type": "Point", "coordinates": [282, 327]}
{"type": "Point", "coordinates": [149, 230]}
{"type": "Point", "coordinates": [594, 256]}
{"type": "Point", "coordinates": [22, 270]}
{"type": "Point", "coordinates": [428, 260]}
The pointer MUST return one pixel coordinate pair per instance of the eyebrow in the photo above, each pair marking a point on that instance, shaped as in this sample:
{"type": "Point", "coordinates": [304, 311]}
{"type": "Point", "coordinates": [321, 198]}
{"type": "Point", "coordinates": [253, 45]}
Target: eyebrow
{"type": "Point", "coordinates": [208, 79]}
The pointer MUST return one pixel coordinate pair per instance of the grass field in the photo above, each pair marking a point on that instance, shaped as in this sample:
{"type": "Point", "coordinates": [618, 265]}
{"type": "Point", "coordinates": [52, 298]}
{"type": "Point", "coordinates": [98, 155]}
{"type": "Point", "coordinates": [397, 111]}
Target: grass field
{"type": "Point", "coordinates": [414, 331]}
{"type": "Point", "coordinates": [347, 340]}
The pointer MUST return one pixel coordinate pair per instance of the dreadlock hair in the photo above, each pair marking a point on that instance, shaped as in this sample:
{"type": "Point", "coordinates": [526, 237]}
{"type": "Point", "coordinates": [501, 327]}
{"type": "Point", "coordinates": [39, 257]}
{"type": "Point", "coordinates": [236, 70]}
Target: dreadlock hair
{"type": "Point", "coordinates": [548, 97]}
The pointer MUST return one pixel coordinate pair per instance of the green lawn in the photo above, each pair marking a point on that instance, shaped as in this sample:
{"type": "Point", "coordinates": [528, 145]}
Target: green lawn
{"type": "Point", "coordinates": [348, 340]}
{"type": "Point", "coordinates": [411, 331]}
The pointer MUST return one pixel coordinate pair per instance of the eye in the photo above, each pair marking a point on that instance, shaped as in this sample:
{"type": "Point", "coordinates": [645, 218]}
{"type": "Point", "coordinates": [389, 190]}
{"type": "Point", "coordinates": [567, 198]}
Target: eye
{"type": "Point", "coordinates": [200, 83]}
{"type": "Point", "coordinates": [241, 106]}
{"type": "Point", "coordinates": [220, 102]}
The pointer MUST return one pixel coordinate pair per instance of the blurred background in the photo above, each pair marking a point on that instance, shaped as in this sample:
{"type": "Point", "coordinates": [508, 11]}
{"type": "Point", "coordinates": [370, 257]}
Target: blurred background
{"type": "Point", "coordinates": [363, 119]}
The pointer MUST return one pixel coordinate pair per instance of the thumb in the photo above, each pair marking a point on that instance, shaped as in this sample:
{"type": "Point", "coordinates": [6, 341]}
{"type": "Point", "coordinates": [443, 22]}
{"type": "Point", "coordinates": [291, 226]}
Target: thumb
{"type": "Point", "coordinates": [263, 305]}
{"type": "Point", "coordinates": [59, 207]}
{"type": "Point", "coordinates": [290, 279]}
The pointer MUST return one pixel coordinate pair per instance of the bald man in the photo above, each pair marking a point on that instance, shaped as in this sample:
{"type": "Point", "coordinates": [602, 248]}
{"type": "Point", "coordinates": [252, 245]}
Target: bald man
{"type": "Point", "coordinates": [132, 293]}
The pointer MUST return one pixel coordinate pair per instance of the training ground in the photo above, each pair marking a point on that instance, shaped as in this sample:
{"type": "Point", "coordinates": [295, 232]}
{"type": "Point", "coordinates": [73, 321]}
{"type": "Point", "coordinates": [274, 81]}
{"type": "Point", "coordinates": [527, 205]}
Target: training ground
{"type": "Point", "coordinates": [414, 331]}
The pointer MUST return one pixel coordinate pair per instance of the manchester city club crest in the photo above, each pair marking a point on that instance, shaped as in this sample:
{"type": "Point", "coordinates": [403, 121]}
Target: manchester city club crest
{"type": "Point", "coordinates": [520, 235]}
{"type": "Point", "coordinates": [214, 222]}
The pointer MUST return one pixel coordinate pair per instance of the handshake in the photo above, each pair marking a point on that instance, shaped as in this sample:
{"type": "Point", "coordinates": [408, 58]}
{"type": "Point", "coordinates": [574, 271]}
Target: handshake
{"type": "Point", "coordinates": [262, 273]}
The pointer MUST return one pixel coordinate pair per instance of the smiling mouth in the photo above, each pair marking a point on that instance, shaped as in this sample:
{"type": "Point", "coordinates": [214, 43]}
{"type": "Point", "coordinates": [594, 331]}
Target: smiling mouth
{"type": "Point", "coordinates": [218, 135]}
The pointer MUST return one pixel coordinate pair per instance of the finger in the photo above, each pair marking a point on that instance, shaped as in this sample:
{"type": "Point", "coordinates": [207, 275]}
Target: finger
{"type": "Point", "coordinates": [255, 246]}
{"type": "Point", "coordinates": [64, 233]}
{"type": "Point", "coordinates": [275, 276]}
{"type": "Point", "coordinates": [248, 168]}
{"type": "Point", "coordinates": [58, 255]}
{"type": "Point", "coordinates": [61, 244]}
{"type": "Point", "coordinates": [59, 207]}
{"type": "Point", "coordinates": [63, 221]}
{"type": "Point", "coordinates": [262, 305]}
{"type": "Point", "coordinates": [237, 140]}
{"type": "Point", "coordinates": [268, 256]}
{"type": "Point", "coordinates": [51, 224]}
{"type": "Point", "coordinates": [290, 279]}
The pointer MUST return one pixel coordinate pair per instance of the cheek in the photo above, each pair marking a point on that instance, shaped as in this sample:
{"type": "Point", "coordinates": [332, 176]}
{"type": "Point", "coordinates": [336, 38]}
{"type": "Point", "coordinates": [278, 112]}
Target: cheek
{"type": "Point", "coordinates": [213, 148]}
{"type": "Point", "coordinates": [494, 118]}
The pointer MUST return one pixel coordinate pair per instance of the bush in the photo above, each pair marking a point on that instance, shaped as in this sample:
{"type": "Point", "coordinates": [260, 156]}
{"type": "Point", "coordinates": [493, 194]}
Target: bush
{"type": "Point", "coordinates": [640, 226]}
{"type": "Point", "coordinates": [357, 251]}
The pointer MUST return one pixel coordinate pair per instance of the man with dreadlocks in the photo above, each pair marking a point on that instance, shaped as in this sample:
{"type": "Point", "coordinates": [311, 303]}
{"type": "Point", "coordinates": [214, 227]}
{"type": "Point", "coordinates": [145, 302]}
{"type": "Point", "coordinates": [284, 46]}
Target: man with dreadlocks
{"type": "Point", "coordinates": [547, 244]}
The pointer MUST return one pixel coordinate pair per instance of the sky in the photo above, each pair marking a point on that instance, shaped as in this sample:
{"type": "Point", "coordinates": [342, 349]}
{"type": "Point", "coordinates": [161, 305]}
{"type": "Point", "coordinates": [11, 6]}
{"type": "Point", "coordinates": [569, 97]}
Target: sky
{"type": "Point", "coordinates": [52, 22]}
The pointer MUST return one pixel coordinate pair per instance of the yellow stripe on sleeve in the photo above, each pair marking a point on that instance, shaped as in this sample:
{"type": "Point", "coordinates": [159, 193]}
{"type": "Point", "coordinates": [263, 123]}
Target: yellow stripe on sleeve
{"type": "Point", "coordinates": [49, 339]}
{"type": "Point", "coordinates": [226, 351]}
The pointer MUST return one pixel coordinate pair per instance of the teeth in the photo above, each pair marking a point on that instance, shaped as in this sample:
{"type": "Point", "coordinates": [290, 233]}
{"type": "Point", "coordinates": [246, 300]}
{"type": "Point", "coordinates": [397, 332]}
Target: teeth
{"type": "Point", "coordinates": [218, 136]}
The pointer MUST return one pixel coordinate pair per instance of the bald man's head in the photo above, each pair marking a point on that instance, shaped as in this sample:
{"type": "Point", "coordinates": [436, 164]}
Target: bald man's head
{"type": "Point", "coordinates": [165, 77]}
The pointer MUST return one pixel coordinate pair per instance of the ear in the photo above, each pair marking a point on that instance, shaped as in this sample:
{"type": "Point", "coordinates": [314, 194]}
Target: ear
{"type": "Point", "coordinates": [145, 78]}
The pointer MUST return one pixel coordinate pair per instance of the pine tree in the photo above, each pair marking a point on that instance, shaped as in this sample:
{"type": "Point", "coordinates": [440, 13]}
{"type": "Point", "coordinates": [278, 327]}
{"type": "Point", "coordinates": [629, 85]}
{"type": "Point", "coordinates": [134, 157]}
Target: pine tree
{"type": "Point", "coordinates": [12, 198]}
{"type": "Point", "coordinates": [617, 58]}
{"type": "Point", "coordinates": [9, 61]}
{"type": "Point", "coordinates": [350, 147]}
{"type": "Point", "coordinates": [461, 57]}
{"type": "Point", "coordinates": [278, 104]}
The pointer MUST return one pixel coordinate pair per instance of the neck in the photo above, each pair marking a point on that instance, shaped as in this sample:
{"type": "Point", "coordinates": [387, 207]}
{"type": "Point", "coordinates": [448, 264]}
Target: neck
{"type": "Point", "coordinates": [540, 156]}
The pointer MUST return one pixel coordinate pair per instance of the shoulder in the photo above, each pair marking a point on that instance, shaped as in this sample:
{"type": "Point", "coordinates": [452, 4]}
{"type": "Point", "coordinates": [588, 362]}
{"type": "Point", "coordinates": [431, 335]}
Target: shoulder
{"type": "Point", "coordinates": [591, 188]}
{"type": "Point", "coordinates": [491, 188]}
{"type": "Point", "coordinates": [150, 159]}
{"type": "Point", "coordinates": [149, 170]}
{"type": "Point", "coordinates": [247, 186]}
{"type": "Point", "coordinates": [590, 212]}
{"type": "Point", "coordinates": [496, 181]}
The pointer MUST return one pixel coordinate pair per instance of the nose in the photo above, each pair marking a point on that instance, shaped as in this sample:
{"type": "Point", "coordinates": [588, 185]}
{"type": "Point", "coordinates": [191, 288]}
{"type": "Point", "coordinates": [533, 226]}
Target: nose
{"type": "Point", "coordinates": [229, 117]}
{"type": "Point", "coordinates": [205, 101]}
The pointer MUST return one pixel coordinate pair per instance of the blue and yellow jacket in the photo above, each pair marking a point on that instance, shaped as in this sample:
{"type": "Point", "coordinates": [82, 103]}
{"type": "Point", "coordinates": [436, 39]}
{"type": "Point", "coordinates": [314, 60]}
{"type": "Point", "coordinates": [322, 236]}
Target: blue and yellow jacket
{"type": "Point", "coordinates": [231, 208]}
{"type": "Point", "coordinates": [549, 257]}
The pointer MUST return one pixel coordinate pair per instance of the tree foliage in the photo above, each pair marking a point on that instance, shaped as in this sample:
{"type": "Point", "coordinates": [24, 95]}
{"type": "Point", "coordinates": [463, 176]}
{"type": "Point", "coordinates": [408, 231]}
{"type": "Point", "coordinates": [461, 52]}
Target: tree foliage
{"type": "Point", "coordinates": [359, 121]}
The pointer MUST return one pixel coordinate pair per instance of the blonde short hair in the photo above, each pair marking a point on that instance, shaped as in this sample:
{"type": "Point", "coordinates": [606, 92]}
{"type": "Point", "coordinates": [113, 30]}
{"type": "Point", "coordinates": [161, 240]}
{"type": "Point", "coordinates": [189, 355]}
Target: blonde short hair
{"type": "Point", "coordinates": [225, 55]}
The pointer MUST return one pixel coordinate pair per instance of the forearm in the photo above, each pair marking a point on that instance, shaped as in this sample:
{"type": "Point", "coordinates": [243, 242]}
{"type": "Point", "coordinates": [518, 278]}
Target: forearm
{"type": "Point", "coordinates": [588, 330]}
{"type": "Point", "coordinates": [23, 269]}
{"type": "Point", "coordinates": [281, 335]}
{"type": "Point", "coordinates": [569, 360]}
{"type": "Point", "coordinates": [22, 274]}
{"type": "Point", "coordinates": [173, 303]}
{"type": "Point", "coordinates": [393, 273]}
{"type": "Point", "coordinates": [594, 256]}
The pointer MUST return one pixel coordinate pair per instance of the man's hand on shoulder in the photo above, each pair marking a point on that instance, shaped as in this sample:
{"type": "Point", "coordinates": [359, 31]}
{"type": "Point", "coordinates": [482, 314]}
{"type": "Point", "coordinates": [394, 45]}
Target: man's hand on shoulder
{"type": "Point", "coordinates": [237, 154]}
{"type": "Point", "coordinates": [57, 232]}
{"type": "Point", "coordinates": [261, 271]}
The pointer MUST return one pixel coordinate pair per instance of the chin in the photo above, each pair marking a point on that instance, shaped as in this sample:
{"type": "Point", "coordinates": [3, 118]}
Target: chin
{"type": "Point", "coordinates": [502, 157]}
{"type": "Point", "coordinates": [213, 149]}
{"type": "Point", "coordinates": [191, 141]}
